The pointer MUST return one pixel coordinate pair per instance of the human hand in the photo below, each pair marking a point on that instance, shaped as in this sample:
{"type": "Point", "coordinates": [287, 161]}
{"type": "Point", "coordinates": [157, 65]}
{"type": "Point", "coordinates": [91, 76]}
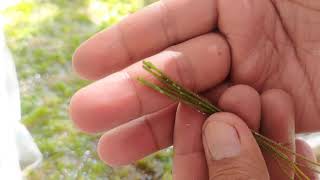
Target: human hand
{"type": "Point", "coordinates": [229, 150]}
{"type": "Point", "coordinates": [266, 44]}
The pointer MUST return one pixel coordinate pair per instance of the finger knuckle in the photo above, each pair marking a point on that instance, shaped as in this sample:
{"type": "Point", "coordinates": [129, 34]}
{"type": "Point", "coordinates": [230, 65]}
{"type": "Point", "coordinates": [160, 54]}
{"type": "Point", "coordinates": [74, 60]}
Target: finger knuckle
{"type": "Point", "coordinates": [231, 173]}
{"type": "Point", "coordinates": [239, 170]}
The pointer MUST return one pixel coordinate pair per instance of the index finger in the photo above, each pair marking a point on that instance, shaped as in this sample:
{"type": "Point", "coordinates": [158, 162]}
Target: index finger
{"type": "Point", "coordinates": [143, 34]}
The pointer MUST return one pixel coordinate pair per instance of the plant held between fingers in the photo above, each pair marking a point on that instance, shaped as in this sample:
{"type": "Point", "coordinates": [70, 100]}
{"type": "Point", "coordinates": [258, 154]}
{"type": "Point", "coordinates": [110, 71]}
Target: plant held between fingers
{"type": "Point", "coordinates": [179, 93]}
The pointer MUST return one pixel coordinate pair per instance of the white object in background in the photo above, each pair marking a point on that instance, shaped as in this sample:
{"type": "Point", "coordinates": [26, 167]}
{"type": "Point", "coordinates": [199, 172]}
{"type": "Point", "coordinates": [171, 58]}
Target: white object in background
{"type": "Point", "coordinates": [9, 160]}
{"type": "Point", "coordinates": [313, 139]}
{"type": "Point", "coordinates": [18, 151]}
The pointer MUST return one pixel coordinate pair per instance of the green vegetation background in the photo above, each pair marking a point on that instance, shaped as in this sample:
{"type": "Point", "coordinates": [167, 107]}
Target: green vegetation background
{"type": "Point", "coordinates": [42, 35]}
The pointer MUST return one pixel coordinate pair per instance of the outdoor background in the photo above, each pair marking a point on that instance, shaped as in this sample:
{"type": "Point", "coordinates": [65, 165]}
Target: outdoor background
{"type": "Point", "coordinates": [42, 35]}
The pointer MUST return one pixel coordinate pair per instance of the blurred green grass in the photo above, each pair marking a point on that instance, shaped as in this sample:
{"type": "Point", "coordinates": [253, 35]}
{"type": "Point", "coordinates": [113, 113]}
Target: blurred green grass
{"type": "Point", "coordinates": [42, 35]}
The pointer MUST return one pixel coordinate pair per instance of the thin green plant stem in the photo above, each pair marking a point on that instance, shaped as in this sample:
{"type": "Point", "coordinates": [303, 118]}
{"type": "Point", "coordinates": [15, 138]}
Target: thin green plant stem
{"type": "Point", "coordinates": [284, 168]}
{"type": "Point", "coordinates": [173, 95]}
{"type": "Point", "coordinates": [279, 154]}
{"type": "Point", "coordinates": [180, 94]}
{"type": "Point", "coordinates": [314, 165]}
{"type": "Point", "coordinates": [167, 80]}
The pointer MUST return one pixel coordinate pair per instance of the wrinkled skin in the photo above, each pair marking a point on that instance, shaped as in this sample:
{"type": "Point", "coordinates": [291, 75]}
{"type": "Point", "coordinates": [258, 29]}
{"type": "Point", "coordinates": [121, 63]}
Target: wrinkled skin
{"type": "Point", "coordinates": [282, 50]}
{"type": "Point", "coordinates": [207, 46]}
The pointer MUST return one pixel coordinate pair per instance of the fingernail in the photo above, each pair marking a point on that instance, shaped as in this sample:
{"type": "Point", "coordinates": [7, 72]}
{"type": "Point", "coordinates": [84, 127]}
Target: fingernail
{"type": "Point", "coordinates": [222, 140]}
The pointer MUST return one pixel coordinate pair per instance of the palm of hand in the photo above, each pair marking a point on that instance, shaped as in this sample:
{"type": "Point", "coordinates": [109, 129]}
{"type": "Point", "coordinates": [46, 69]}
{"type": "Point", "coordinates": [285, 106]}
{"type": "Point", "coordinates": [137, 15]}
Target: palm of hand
{"type": "Point", "coordinates": [277, 46]}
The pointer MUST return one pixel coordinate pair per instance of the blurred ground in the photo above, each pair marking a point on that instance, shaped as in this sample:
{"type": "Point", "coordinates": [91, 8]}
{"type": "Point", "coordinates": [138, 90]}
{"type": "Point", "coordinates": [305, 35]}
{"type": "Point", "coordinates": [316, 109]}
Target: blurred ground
{"type": "Point", "coordinates": [42, 35]}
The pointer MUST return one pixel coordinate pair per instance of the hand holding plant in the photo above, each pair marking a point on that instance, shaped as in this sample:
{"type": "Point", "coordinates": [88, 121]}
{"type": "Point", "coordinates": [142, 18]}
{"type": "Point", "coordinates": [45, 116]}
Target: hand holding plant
{"type": "Point", "coordinates": [204, 45]}
{"type": "Point", "coordinates": [230, 150]}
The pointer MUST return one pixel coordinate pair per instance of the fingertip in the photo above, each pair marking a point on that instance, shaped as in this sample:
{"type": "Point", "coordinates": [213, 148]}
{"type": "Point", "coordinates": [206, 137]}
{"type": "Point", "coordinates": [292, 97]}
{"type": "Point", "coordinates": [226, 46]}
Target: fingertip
{"type": "Point", "coordinates": [100, 55]}
{"type": "Point", "coordinates": [85, 111]}
{"type": "Point", "coordinates": [88, 63]}
{"type": "Point", "coordinates": [238, 94]}
{"type": "Point", "coordinates": [228, 142]}
{"type": "Point", "coordinates": [212, 54]}
{"type": "Point", "coordinates": [244, 101]}
{"type": "Point", "coordinates": [81, 62]}
{"type": "Point", "coordinates": [109, 152]}
{"type": "Point", "coordinates": [303, 148]}
{"type": "Point", "coordinates": [100, 106]}
{"type": "Point", "coordinates": [76, 112]}
{"type": "Point", "coordinates": [127, 143]}
{"type": "Point", "coordinates": [221, 140]}
{"type": "Point", "coordinates": [228, 118]}
{"type": "Point", "coordinates": [273, 93]}
{"type": "Point", "coordinates": [278, 112]}
{"type": "Point", "coordinates": [245, 134]}
{"type": "Point", "coordinates": [280, 104]}
{"type": "Point", "coordinates": [104, 153]}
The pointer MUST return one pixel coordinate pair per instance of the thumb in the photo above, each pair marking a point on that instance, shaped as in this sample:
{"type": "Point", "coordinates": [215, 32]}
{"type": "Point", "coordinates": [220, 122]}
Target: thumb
{"type": "Point", "coordinates": [231, 150]}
